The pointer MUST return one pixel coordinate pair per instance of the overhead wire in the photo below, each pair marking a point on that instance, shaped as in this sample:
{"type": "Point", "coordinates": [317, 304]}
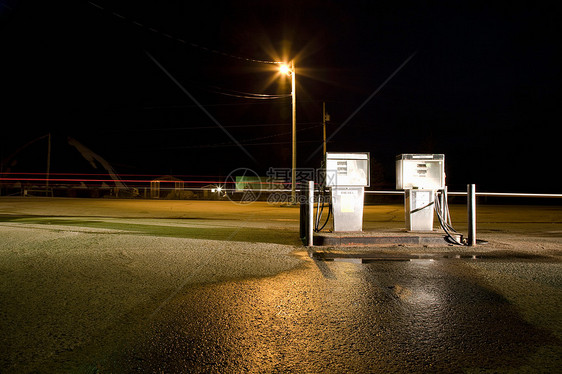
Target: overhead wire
{"type": "Point", "coordinates": [248, 142]}
{"type": "Point", "coordinates": [190, 128]}
{"type": "Point", "coordinates": [226, 145]}
{"type": "Point", "coordinates": [180, 40]}
{"type": "Point", "coordinates": [246, 95]}
{"type": "Point", "coordinates": [283, 133]}
{"type": "Point", "coordinates": [183, 106]}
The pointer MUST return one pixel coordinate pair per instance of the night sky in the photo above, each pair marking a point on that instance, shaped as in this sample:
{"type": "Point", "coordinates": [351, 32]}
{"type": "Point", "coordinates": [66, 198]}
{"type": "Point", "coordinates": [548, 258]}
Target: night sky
{"type": "Point", "coordinates": [481, 85]}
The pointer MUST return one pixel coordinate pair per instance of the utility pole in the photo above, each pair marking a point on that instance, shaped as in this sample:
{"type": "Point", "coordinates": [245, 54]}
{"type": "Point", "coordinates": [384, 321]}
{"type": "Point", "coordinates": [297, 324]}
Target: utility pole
{"type": "Point", "coordinates": [294, 140]}
{"type": "Point", "coordinates": [48, 161]}
{"type": "Point", "coordinates": [290, 70]}
{"type": "Point", "coordinates": [325, 118]}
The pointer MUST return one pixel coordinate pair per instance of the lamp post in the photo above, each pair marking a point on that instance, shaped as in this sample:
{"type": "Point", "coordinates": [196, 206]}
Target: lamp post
{"type": "Point", "coordinates": [290, 70]}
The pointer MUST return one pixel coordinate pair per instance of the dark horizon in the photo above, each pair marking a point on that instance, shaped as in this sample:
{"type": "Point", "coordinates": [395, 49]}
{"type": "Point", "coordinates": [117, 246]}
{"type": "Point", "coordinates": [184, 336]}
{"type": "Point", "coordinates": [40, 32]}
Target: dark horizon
{"type": "Point", "coordinates": [482, 86]}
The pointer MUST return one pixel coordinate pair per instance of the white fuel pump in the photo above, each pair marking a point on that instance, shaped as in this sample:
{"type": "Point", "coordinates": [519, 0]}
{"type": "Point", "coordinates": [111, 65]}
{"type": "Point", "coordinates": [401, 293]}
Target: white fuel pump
{"type": "Point", "coordinates": [347, 175]}
{"type": "Point", "coordinates": [420, 176]}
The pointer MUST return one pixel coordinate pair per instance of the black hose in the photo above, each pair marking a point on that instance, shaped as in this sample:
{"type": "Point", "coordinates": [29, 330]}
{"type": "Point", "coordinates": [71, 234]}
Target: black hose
{"type": "Point", "coordinates": [327, 218]}
{"type": "Point", "coordinates": [320, 212]}
{"type": "Point", "coordinates": [446, 226]}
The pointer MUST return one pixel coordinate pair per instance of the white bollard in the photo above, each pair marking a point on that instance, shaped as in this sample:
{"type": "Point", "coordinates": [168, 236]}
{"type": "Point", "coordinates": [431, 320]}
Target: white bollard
{"type": "Point", "coordinates": [471, 205]}
{"type": "Point", "coordinates": [310, 202]}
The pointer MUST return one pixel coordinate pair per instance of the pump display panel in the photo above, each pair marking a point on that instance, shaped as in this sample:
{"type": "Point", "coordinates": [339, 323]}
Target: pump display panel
{"type": "Point", "coordinates": [347, 169]}
{"type": "Point", "coordinates": [420, 171]}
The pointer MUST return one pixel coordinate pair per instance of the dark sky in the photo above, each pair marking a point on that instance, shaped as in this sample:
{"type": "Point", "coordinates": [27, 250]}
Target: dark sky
{"type": "Point", "coordinates": [482, 87]}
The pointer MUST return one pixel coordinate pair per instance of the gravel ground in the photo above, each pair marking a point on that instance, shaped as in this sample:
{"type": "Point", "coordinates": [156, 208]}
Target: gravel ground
{"type": "Point", "coordinates": [71, 289]}
{"type": "Point", "coordinates": [80, 276]}
{"type": "Point", "coordinates": [66, 290]}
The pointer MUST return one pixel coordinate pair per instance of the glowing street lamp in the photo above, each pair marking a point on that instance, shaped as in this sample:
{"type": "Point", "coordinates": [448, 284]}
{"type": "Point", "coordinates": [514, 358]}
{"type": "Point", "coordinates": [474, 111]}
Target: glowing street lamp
{"type": "Point", "coordinates": [290, 70]}
{"type": "Point", "coordinates": [285, 69]}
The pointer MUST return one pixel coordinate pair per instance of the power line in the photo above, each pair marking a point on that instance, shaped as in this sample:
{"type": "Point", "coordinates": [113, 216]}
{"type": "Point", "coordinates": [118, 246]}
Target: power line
{"type": "Point", "coordinates": [180, 40]}
{"type": "Point", "coordinates": [283, 133]}
{"type": "Point", "coordinates": [245, 95]}
{"type": "Point", "coordinates": [246, 142]}
{"type": "Point", "coordinates": [208, 127]}
{"type": "Point", "coordinates": [227, 145]}
{"type": "Point", "coordinates": [182, 106]}
{"type": "Point", "coordinates": [211, 117]}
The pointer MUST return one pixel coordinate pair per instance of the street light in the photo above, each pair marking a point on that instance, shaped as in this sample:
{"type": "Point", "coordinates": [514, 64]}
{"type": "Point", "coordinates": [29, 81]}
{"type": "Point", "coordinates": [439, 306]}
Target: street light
{"type": "Point", "coordinates": [290, 70]}
{"type": "Point", "coordinates": [285, 69]}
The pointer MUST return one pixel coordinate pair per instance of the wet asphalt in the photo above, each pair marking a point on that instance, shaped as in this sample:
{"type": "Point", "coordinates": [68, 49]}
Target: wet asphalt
{"type": "Point", "coordinates": [342, 317]}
